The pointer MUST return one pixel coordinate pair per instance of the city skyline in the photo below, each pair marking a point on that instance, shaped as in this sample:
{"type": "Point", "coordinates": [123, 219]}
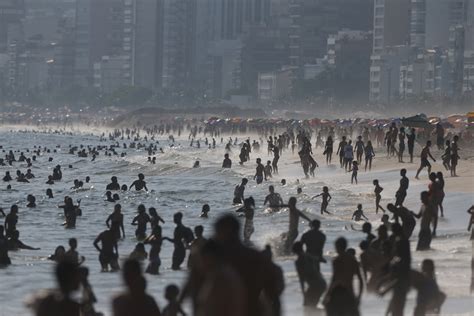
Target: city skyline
{"type": "Point", "coordinates": [244, 51]}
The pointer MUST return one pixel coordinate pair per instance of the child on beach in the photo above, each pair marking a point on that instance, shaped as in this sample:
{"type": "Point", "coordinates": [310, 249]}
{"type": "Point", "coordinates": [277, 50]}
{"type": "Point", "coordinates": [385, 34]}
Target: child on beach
{"type": "Point", "coordinates": [359, 214]}
{"type": "Point", "coordinates": [173, 308]}
{"type": "Point", "coordinates": [326, 198]}
{"type": "Point", "coordinates": [378, 189]}
{"type": "Point", "coordinates": [355, 168]}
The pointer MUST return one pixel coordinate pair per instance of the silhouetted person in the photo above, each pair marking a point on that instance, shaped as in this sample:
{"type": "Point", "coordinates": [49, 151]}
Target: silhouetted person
{"type": "Point", "coordinates": [402, 190]}
{"type": "Point", "coordinates": [109, 251]}
{"type": "Point", "coordinates": [139, 184]}
{"type": "Point", "coordinates": [88, 296]}
{"type": "Point", "coordinates": [311, 280]}
{"type": "Point", "coordinates": [314, 241]}
{"type": "Point", "coordinates": [407, 218]}
{"type": "Point", "coordinates": [294, 214]}
{"type": "Point", "coordinates": [141, 221]}
{"type": "Point", "coordinates": [11, 220]}
{"type": "Point", "coordinates": [239, 192]}
{"type": "Point", "coordinates": [398, 278]}
{"type": "Point", "coordinates": [115, 222]}
{"type": "Point", "coordinates": [426, 214]}
{"type": "Point", "coordinates": [135, 300]}
{"type": "Point", "coordinates": [340, 297]}
{"type": "Point", "coordinates": [114, 185]}
{"type": "Point", "coordinates": [429, 299]}
{"type": "Point", "coordinates": [425, 153]}
{"type": "Point", "coordinates": [60, 302]}
{"type": "Point", "coordinates": [174, 307]}
{"type": "Point", "coordinates": [182, 237]}
{"type": "Point", "coordinates": [4, 258]}
{"type": "Point", "coordinates": [240, 263]}
{"type": "Point", "coordinates": [227, 163]}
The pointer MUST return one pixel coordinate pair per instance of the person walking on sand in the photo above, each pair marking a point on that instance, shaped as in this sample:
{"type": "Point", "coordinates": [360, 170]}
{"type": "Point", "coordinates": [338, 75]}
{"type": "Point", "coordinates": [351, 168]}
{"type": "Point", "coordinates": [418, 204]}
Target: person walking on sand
{"type": "Point", "coordinates": [425, 153]}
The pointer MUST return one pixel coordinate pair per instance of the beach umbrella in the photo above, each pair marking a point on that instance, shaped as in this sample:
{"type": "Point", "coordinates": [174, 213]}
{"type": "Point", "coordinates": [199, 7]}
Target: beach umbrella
{"type": "Point", "coordinates": [416, 121]}
{"type": "Point", "coordinates": [446, 124]}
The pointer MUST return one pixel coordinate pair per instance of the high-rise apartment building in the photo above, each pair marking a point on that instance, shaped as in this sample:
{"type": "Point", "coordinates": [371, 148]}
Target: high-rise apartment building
{"type": "Point", "coordinates": [102, 28]}
{"type": "Point", "coordinates": [391, 24]}
{"type": "Point", "coordinates": [431, 19]}
{"type": "Point", "coordinates": [391, 30]}
{"type": "Point", "coordinates": [11, 14]}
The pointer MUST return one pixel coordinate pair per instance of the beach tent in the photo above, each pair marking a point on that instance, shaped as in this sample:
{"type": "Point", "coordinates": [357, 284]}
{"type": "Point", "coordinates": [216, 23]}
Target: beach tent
{"type": "Point", "coordinates": [418, 120]}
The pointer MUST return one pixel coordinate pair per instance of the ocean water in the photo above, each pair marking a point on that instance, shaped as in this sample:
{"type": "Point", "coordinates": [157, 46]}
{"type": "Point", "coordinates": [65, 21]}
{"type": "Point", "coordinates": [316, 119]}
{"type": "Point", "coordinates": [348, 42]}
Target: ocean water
{"type": "Point", "coordinates": [175, 186]}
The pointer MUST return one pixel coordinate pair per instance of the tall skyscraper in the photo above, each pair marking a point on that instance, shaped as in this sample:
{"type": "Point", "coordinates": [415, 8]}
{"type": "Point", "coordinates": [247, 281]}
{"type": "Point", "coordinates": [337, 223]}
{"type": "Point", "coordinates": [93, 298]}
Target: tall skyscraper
{"type": "Point", "coordinates": [11, 14]}
{"type": "Point", "coordinates": [175, 18]}
{"type": "Point", "coordinates": [102, 29]}
{"type": "Point", "coordinates": [391, 24]}
{"type": "Point", "coordinates": [432, 19]}
{"type": "Point", "coordinates": [313, 21]}
{"type": "Point", "coordinates": [391, 32]}
{"type": "Point", "coordinates": [145, 43]}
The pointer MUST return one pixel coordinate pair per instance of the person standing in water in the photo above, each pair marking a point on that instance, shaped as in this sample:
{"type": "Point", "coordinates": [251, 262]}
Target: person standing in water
{"type": "Point", "coordinates": [309, 273]}
{"type": "Point", "coordinates": [326, 199]}
{"type": "Point", "coordinates": [359, 148]}
{"type": "Point", "coordinates": [402, 190]}
{"type": "Point", "coordinates": [11, 220]}
{"type": "Point", "coordinates": [328, 150]}
{"type": "Point", "coordinates": [60, 302]}
{"type": "Point", "coordinates": [426, 214]}
{"type": "Point", "coordinates": [135, 301]}
{"type": "Point", "coordinates": [182, 237]}
{"type": "Point", "coordinates": [425, 153]}
{"type": "Point", "coordinates": [4, 258]}
{"type": "Point", "coordinates": [354, 169]}
{"type": "Point", "coordinates": [115, 222]}
{"type": "Point", "coordinates": [227, 163]}
{"type": "Point", "coordinates": [340, 150]}
{"type": "Point", "coordinates": [276, 157]}
{"type": "Point", "coordinates": [141, 221]}
{"type": "Point", "coordinates": [259, 173]}
{"type": "Point", "coordinates": [273, 199]}
{"type": "Point", "coordinates": [369, 155]}
{"type": "Point", "coordinates": [314, 241]}
{"type": "Point", "coordinates": [108, 253]}
{"type": "Point", "coordinates": [113, 185]}
{"type": "Point", "coordinates": [248, 211]}
{"type": "Point", "coordinates": [239, 192]}
{"type": "Point", "coordinates": [345, 267]}
{"type": "Point", "coordinates": [155, 240]}
{"type": "Point", "coordinates": [348, 156]}
{"type": "Point", "coordinates": [292, 234]}
{"type": "Point", "coordinates": [407, 218]}
{"type": "Point", "coordinates": [139, 184]}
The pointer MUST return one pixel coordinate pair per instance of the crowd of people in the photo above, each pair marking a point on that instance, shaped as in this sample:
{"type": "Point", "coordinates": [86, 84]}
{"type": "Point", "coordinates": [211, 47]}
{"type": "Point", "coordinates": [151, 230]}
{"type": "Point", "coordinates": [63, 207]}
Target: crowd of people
{"type": "Point", "coordinates": [228, 274]}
